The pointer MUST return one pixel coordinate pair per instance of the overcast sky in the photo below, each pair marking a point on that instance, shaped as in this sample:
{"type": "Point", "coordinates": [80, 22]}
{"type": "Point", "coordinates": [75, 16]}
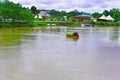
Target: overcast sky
{"type": "Point", "coordinates": [69, 5]}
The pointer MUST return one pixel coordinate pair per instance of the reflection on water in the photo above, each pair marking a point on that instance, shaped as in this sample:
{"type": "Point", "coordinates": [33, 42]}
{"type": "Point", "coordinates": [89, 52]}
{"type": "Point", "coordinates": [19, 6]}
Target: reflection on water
{"type": "Point", "coordinates": [115, 34]}
{"type": "Point", "coordinates": [44, 53]}
{"type": "Point", "coordinates": [12, 36]}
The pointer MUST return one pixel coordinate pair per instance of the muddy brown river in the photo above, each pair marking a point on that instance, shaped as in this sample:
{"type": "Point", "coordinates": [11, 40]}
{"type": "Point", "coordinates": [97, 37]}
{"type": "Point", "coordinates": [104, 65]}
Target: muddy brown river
{"type": "Point", "coordinates": [46, 54]}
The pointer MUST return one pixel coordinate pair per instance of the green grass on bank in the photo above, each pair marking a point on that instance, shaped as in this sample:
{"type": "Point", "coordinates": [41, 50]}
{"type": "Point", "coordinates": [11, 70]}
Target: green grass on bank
{"type": "Point", "coordinates": [16, 24]}
{"type": "Point", "coordinates": [107, 23]}
{"type": "Point", "coordinates": [57, 23]}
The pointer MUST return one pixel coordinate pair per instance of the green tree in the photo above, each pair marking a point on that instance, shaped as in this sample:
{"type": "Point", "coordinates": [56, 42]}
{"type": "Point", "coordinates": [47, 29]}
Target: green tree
{"type": "Point", "coordinates": [106, 12]}
{"type": "Point", "coordinates": [71, 18]}
{"type": "Point", "coordinates": [15, 14]}
{"type": "Point", "coordinates": [115, 13]}
{"type": "Point", "coordinates": [63, 13]}
{"type": "Point", "coordinates": [73, 13]}
{"type": "Point", "coordinates": [54, 13]}
{"type": "Point", "coordinates": [33, 9]}
{"type": "Point", "coordinates": [15, 11]}
{"type": "Point", "coordinates": [96, 15]}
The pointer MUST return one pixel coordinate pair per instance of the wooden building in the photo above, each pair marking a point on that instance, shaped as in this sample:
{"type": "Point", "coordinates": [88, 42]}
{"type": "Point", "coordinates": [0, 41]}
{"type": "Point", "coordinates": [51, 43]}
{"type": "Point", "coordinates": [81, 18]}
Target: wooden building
{"type": "Point", "coordinates": [83, 17]}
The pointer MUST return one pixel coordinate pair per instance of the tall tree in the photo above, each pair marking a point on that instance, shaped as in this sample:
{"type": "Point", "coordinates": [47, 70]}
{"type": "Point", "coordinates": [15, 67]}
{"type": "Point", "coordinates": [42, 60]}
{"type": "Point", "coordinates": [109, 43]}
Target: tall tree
{"type": "Point", "coordinates": [115, 13]}
{"type": "Point", "coordinates": [106, 12]}
{"type": "Point", "coordinates": [33, 9]}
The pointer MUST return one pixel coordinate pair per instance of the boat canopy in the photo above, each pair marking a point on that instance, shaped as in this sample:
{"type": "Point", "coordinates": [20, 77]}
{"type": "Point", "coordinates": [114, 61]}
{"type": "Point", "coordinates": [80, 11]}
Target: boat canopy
{"type": "Point", "coordinates": [69, 33]}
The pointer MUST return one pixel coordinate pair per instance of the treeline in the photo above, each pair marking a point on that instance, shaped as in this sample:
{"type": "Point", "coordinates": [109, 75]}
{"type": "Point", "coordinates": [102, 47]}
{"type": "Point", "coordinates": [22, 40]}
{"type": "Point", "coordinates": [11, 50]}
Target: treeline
{"type": "Point", "coordinates": [13, 13]}
{"type": "Point", "coordinates": [115, 13]}
{"type": "Point", "coordinates": [57, 14]}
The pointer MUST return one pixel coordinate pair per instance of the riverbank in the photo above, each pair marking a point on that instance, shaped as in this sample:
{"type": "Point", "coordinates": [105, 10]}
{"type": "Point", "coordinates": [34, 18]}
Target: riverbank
{"type": "Point", "coordinates": [55, 23]}
{"type": "Point", "coordinates": [49, 23]}
{"type": "Point", "coordinates": [75, 24]}
{"type": "Point", "coordinates": [16, 24]}
{"type": "Point", "coordinates": [107, 23]}
{"type": "Point", "coordinates": [59, 23]}
{"type": "Point", "coordinates": [40, 23]}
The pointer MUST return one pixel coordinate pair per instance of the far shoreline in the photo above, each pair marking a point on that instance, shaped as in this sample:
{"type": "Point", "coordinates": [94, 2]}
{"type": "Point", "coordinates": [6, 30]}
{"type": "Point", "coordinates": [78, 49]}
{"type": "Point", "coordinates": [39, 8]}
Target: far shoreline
{"type": "Point", "coordinates": [57, 23]}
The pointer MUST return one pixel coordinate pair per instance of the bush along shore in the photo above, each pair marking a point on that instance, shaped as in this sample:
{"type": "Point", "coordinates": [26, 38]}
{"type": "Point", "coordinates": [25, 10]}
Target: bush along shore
{"type": "Point", "coordinates": [75, 24]}
{"type": "Point", "coordinates": [56, 23]}
{"type": "Point", "coordinates": [59, 23]}
{"type": "Point", "coordinates": [107, 23]}
{"type": "Point", "coordinates": [16, 24]}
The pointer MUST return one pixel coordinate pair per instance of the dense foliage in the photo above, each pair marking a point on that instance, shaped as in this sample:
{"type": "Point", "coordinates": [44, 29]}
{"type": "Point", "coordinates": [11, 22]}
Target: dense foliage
{"type": "Point", "coordinates": [115, 13]}
{"type": "Point", "coordinates": [14, 12]}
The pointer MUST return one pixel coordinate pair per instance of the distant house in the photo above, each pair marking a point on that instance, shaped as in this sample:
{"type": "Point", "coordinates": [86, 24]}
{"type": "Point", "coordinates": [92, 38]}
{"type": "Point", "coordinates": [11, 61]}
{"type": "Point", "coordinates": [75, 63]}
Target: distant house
{"type": "Point", "coordinates": [83, 17]}
{"type": "Point", "coordinates": [42, 13]}
{"type": "Point", "coordinates": [64, 18]}
{"type": "Point", "coordinates": [45, 14]}
{"type": "Point", "coordinates": [106, 18]}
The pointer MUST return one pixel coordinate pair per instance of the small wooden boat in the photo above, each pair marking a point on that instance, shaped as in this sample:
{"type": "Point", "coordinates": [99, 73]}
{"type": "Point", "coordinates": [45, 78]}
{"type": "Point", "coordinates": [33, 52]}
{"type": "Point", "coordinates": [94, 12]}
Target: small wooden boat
{"type": "Point", "coordinates": [71, 34]}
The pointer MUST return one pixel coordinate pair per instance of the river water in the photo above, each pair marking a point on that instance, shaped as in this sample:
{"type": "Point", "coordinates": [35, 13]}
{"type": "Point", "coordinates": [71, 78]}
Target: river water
{"type": "Point", "coordinates": [46, 54]}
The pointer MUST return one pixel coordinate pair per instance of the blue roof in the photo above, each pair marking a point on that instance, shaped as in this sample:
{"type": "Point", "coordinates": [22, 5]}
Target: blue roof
{"type": "Point", "coordinates": [85, 15]}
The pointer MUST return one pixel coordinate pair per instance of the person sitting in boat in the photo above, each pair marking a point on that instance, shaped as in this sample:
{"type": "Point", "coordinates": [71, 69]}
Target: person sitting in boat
{"type": "Point", "coordinates": [75, 34]}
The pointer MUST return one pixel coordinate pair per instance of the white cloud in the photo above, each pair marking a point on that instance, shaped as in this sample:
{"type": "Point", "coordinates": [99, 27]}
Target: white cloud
{"type": "Point", "coordinates": [80, 5]}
